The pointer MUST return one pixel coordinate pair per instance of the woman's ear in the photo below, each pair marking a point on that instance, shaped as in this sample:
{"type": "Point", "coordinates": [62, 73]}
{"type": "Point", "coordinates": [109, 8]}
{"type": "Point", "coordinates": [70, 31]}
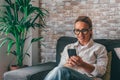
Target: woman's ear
{"type": "Point", "coordinates": [91, 33]}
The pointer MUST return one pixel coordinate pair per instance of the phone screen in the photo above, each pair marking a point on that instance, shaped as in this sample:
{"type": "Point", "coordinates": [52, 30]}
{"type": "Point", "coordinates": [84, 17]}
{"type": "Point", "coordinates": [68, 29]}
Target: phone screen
{"type": "Point", "coordinates": [72, 52]}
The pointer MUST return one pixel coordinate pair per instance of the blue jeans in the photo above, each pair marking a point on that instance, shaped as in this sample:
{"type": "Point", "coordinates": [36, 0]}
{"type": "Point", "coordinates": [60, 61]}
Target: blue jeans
{"type": "Point", "coordinates": [64, 73]}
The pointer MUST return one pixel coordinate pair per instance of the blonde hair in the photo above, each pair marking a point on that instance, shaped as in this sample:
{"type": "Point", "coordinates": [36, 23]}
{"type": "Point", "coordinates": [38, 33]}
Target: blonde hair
{"type": "Point", "coordinates": [85, 19]}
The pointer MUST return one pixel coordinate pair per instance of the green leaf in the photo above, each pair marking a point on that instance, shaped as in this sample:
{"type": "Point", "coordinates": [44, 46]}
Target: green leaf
{"type": "Point", "coordinates": [10, 45]}
{"type": "Point", "coordinates": [4, 41]}
{"type": "Point", "coordinates": [36, 39]}
{"type": "Point", "coordinates": [27, 54]}
{"type": "Point", "coordinates": [14, 53]}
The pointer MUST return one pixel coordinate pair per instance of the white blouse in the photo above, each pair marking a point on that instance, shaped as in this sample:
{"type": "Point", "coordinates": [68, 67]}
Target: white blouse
{"type": "Point", "coordinates": [92, 53]}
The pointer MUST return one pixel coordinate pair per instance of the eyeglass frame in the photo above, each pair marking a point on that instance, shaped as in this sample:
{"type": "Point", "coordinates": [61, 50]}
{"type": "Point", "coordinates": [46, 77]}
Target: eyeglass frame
{"type": "Point", "coordinates": [83, 31]}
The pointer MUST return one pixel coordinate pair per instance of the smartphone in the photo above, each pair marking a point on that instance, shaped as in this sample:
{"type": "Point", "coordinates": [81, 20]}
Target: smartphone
{"type": "Point", "coordinates": [72, 52]}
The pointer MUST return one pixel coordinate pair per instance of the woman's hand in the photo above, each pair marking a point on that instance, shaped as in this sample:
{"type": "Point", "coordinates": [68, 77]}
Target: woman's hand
{"type": "Point", "coordinates": [74, 61]}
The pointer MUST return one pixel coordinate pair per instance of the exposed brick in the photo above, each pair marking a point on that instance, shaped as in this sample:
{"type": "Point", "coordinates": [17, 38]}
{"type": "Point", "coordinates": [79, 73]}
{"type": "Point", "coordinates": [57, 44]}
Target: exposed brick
{"type": "Point", "coordinates": [74, 3]}
{"type": "Point", "coordinates": [104, 1]}
{"type": "Point", "coordinates": [105, 15]}
{"type": "Point", "coordinates": [117, 1]}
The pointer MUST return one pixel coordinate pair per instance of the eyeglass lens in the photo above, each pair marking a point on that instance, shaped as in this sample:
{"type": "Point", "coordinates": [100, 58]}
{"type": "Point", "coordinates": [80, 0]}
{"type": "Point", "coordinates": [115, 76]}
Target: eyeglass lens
{"type": "Point", "coordinates": [83, 31]}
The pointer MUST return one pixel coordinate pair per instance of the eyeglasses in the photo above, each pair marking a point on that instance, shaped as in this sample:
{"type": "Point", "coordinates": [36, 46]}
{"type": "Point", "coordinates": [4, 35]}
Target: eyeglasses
{"type": "Point", "coordinates": [83, 31]}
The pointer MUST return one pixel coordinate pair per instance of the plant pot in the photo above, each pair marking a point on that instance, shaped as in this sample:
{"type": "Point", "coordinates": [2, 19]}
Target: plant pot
{"type": "Point", "coordinates": [14, 67]}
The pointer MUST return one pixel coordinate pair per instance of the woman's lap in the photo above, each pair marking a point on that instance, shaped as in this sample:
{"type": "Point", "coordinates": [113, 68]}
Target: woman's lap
{"type": "Point", "coordinates": [64, 73]}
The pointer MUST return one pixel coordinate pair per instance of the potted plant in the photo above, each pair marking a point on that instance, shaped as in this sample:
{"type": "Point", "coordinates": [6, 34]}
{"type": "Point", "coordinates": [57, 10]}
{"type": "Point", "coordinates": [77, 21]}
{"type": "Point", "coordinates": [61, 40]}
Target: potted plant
{"type": "Point", "coordinates": [19, 16]}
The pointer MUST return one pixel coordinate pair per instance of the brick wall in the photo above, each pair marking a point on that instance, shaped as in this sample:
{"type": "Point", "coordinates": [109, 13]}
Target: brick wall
{"type": "Point", "coordinates": [105, 15]}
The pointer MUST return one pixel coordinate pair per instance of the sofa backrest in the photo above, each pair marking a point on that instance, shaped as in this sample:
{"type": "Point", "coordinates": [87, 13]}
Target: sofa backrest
{"type": "Point", "coordinates": [110, 45]}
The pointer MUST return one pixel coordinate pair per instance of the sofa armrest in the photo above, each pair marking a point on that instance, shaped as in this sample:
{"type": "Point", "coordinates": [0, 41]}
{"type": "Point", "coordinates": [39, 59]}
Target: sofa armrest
{"type": "Point", "coordinates": [36, 72]}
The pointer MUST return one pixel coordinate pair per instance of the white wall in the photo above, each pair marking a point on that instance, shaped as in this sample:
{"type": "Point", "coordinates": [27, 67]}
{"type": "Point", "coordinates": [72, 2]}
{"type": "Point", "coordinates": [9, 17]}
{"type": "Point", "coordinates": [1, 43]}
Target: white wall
{"type": "Point", "coordinates": [5, 60]}
{"type": "Point", "coordinates": [34, 49]}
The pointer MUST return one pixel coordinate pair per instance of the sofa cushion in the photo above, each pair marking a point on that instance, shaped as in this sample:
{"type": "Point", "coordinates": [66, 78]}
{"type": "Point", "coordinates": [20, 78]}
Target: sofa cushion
{"type": "Point", "coordinates": [35, 72]}
{"type": "Point", "coordinates": [117, 50]}
{"type": "Point", "coordinates": [108, 68]}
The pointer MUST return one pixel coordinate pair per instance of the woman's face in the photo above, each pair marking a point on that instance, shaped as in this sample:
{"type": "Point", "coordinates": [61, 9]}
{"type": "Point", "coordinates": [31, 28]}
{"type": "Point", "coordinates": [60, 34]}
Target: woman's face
{"type": "Point", "coordinates": [83, 32]}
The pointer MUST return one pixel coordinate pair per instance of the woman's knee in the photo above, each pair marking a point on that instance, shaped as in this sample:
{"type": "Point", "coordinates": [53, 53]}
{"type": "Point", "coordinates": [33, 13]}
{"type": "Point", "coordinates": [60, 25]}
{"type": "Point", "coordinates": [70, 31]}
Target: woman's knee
{"type": "Point", "coordinates": [61, 68]}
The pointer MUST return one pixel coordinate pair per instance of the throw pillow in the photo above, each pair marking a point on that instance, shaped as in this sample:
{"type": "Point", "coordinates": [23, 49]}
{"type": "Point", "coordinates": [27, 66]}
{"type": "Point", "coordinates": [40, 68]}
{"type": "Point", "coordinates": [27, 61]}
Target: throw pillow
{"type": "Point", "coordinates": [117, 50]}
{"type": "Point", "coordinates": [108, 69]}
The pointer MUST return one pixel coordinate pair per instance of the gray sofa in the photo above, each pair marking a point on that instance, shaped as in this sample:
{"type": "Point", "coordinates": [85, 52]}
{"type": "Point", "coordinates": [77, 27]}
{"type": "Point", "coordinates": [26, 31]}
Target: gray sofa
{"type": "Point", "coordinates": [39, 71]}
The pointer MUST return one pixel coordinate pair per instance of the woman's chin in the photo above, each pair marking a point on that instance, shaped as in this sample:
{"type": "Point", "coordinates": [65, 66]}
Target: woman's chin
{"type": "Point", "coordinates": [81, 40]}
